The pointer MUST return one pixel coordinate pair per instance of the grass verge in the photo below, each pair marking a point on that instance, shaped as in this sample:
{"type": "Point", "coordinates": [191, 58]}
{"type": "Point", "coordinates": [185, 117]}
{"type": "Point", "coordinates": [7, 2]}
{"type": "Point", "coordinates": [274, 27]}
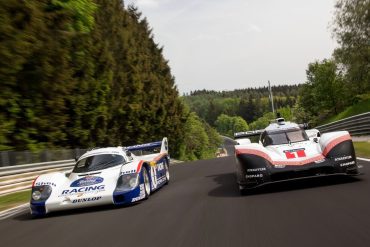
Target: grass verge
{"type": "Point", "coordinates": [14, 199]}
{"type": "Point", "coordinates": [360, 107]}
{"type": "Point", "coordinates": [362, 149]}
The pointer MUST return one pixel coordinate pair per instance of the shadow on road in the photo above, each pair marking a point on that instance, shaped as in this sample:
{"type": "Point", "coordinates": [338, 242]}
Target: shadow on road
{"type": "Point", "coordinates": [229, 188]}
{"type": "Point", "coordinates": [26, 216]}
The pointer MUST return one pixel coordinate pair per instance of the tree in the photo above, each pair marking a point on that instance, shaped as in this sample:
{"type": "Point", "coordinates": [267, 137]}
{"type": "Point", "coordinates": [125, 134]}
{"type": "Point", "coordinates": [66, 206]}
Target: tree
{"type": "Point", "coordinates": [351, 28]}
{"type": "Point", "coordinates": [262, 122]}
{"type": "Point", "coordinates": [227, 125]}
{"type": "Point", "coordinates": [80, 73]}
{"type": "Point", "coordinates": [323, 93]}
{"type": "Point", "coordinates": [200, 140]}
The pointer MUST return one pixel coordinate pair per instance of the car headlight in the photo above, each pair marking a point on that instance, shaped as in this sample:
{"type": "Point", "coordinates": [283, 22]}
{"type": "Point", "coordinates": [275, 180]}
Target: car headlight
{"type": "Point", "coordinates": [127, 182]}
{"type": "Point", "coordinates": [41, 193]}
{"type": "Point", "coordinates": [36, 195]}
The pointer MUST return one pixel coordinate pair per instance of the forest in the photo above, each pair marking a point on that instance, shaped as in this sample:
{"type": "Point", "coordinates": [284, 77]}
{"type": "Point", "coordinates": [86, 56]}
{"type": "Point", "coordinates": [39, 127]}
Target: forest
{"type": "Point", "coordinates": [241, 109]}
{"type": "Point", "coordinates": [86, 73]}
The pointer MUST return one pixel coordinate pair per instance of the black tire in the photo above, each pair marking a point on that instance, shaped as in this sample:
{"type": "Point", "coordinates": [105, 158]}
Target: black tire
{"type": "Point", "coordinates": [244, 191]}
{"type": "Point", "coordinates": [146, 181]}
{"type": "Point", "coordinates": [167, 168]}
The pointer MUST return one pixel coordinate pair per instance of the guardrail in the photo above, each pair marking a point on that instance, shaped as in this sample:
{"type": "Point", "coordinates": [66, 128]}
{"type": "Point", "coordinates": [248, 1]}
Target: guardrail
{"type": "Point", "coordinates": [20, 177]}
{"type": "Point", "coordinates": [358, 125]}
{"type": "Point", "coordinates": [12, 158]}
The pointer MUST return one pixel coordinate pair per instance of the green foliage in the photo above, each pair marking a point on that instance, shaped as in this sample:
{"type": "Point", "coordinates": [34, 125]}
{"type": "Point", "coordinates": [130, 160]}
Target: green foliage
{"type": "Point", "coordinates": [335, 84]}
{"type": "Point", "coordinates": [249, 103]}
{"type": "Point", "coordinates": [362, 149]}
{"type": "Point", "coordinates": [351, 28]}
{"type": "Point", "coordinates": [14, 199]}
{"type": "Point", "coordinates": [323, 93]}
{"type": "Point", "coordinates": [82, 10]}
{"type": "Point", "coordinates": [262, 122]}
{"type": "Point", "coordinates": [84, 73]}
{"type": "Point", "coordinates": [227, 125]}
{"type": "Point", "coordinates": [358, 108]}
{"type": "Point", "coordinates": [200, 140]}
{"type": "Point", "coordinates": [286, 113]}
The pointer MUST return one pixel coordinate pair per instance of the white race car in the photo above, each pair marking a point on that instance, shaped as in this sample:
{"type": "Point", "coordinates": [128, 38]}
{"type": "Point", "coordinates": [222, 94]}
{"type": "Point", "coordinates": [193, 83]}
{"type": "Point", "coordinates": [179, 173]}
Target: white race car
{"type": "Point", "coordinates": [112, 175]}
{"type": "Point", "coordinates": [286, 151]}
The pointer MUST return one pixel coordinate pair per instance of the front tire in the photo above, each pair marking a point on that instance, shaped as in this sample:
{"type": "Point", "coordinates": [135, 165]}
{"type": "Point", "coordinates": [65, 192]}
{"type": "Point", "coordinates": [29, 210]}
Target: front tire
{"type": "Point", "coordinates": [167, 168]}
{"type": "Point", "coordinates": [146, 182]}
{"type": "Point", "coordinates": [243, 191]}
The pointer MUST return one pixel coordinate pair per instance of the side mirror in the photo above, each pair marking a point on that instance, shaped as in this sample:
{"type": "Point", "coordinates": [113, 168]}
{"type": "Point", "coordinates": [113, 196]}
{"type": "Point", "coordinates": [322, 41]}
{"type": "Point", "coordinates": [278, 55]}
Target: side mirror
{"type": "Point", "coordinates": [128, 153]}
{"type": "Point", "coordinates": [316, 140]}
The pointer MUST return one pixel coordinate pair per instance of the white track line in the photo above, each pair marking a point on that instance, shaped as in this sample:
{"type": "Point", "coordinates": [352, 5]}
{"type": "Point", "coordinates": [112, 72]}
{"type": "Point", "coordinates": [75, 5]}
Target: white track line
{"type": "Point", "coordinates": [13, 211]}
{"type": "Point", "coordinates": [363, 159]}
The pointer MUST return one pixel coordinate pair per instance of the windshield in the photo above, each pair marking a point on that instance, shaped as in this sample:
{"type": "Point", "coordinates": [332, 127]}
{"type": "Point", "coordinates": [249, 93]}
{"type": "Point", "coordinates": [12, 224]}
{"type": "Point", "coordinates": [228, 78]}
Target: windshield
{"type": "Point", "coordinates": [98, 162]}
{"type": "Point", "coordinates": [287, 137]}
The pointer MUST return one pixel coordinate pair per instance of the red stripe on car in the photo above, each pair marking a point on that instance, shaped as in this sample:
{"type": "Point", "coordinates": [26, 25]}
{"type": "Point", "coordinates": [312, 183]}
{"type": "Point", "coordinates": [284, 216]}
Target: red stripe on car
{"type": "Point", "coordinates": [139, 166]}
{"type": "Point", "coordinates": [34, 181]}
{"type": "Point", "coordinates": [279, 162]}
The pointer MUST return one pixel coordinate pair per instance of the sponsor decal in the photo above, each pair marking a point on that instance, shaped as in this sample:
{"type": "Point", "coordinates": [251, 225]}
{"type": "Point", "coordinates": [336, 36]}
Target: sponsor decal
{"type": "Point", "coordinates": [254, 176]}
{"type": "Point", "coordinates": [128, 172]}
{"type": "Point", "coordinates": [160, 166]}
{"type": "Point", "coordinates": [347, 164]}
{"type": "Point", "coordinates": [88, 189]}
{"type": "Point", "coordinates": [154, 177]}
{"type": "Point", "coordinates": [141, 195]}
{"type": "Point", "coordinates": [295, 153]}
{"type": "Point", "coordinates": [161, 180]}
{"type": "Point", "coordinates": [87, 181]}
{"type": "Point", "coordinates": [279, 166]}
{"type": "Point", "coordinates": [256, 169]}
{"type": "Point", "coordinates": [343, 158]}
{"type": "Point", "coordinates": [319, 161]}
{"type": "Point", "coordinates": [45, 183]}
{"type": "Point", "coordinates": [90, 199]}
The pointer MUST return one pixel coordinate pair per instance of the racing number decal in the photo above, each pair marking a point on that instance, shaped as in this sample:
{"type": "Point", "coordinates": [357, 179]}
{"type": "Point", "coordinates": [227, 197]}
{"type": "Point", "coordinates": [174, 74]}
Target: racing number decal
{"type": "Point", "coordinates": [297, 153]}
{"type": "Point", "coordinates": [154, 176]}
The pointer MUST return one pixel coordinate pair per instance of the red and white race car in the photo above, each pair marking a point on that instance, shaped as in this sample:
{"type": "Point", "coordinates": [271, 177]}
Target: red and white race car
{"type": "Point", "coordinates": [286, 151]}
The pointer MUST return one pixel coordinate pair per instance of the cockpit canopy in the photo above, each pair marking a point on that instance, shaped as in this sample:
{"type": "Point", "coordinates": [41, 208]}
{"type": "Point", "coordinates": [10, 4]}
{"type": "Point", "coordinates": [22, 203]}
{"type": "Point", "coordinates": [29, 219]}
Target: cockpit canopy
{"type": "Point", "coordinates": [98, 162]}
{"type": "Point", "coordinates": [286, 136]}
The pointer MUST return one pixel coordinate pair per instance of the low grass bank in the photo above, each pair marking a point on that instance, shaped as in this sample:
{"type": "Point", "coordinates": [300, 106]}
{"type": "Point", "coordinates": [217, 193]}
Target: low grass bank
{"type": "Point", "coordinates": [360, 107]}
{"type": "Point", "coordinates": [15, 199]}
{"type": "Point", "coordinates": [362, 149]}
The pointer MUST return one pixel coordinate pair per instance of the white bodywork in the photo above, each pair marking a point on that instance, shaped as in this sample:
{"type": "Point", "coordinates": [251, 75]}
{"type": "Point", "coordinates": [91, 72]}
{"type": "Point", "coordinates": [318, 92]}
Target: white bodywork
{"type": "Point", "coordinates": [297, 153]}
{"type": "Point", "coordinates": [76, 190]}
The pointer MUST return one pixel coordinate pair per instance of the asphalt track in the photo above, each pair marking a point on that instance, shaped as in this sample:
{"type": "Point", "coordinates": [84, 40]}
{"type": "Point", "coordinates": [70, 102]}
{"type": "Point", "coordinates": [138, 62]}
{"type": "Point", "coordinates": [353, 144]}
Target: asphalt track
{"type": "Point", "coordinates": [202, 207]}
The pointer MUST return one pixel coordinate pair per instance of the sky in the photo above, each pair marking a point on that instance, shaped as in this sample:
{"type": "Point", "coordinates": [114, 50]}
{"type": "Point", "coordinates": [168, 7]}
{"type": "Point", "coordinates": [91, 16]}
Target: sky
{"type": "Point", "coordinates": [231, 44]}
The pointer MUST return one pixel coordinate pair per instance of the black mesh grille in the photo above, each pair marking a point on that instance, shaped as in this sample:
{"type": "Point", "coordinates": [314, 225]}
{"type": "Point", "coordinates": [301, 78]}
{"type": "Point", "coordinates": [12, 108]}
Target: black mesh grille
{"type": "Point", "coordinates": [301, 173]}
{"type": "Point", "coordinates": [119, 198]}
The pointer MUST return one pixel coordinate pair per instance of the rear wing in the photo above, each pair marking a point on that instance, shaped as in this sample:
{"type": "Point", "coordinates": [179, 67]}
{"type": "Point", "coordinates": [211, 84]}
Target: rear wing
{"type": "Point", "coordinates": [247, 134]}
{"type": "Point", "coordinates": [151, 146]}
